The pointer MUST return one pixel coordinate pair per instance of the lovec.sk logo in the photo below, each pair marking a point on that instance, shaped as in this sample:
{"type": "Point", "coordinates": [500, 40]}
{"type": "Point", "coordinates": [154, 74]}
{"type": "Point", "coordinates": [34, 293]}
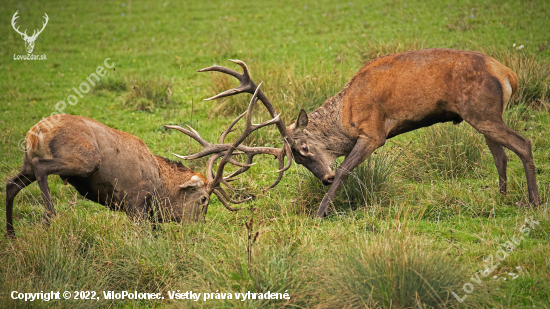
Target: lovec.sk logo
{"type": "Point", "coordinates": [29, 40]}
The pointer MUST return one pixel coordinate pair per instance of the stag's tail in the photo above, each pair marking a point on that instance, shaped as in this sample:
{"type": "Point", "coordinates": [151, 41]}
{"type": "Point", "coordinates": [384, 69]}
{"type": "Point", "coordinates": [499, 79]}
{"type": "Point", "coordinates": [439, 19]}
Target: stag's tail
{"type": "Point", "coordinates": [507, 78]}
{"type": "Point", "coordinates": [510, 86]}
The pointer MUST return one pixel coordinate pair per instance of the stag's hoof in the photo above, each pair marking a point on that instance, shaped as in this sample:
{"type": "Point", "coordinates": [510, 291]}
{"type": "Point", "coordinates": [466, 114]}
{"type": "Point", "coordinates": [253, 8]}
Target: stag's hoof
{"type": "Point", "coordinates": [536, 202]}
{"type": "Point", "coordinates": [322, 215]}
{"type": "Point", "coordinates": [46, 218]}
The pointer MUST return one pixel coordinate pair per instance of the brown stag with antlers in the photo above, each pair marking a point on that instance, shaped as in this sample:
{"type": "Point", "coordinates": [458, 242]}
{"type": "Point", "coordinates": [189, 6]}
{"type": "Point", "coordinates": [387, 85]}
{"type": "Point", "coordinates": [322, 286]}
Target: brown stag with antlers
{"type": "Point", "coordinates": [396, 94]}
{"type": "Point", "coordinates": [116, 169]}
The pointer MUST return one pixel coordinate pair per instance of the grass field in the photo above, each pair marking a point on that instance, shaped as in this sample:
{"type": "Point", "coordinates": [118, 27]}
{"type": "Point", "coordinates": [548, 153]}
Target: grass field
{"type": "Point", "coordinates": [420, 219]}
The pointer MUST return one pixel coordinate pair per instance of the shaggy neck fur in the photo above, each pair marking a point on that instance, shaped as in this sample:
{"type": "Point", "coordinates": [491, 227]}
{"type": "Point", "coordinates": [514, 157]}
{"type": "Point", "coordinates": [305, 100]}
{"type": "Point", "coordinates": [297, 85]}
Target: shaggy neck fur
{"type": "Point", "coordinates": [173, 174]}
{"type": "Point", "coordinates": [326, 124]}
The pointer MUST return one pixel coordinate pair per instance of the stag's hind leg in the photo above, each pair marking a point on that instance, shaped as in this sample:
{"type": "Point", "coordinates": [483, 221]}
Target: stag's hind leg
{"type": "Point", "coordinates": [13, 186]}
{"type": "Point", "coordinates": [73, 167]}
{"type": "Point", "coordinates": [500, 133]}
{"type": "Point", "coordinates": [501, 160]}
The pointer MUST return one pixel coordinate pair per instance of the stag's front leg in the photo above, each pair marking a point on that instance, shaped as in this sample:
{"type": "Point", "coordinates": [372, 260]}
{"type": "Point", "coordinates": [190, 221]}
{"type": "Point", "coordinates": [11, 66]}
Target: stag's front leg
{"type": "Point", "coordinates": [361, 151]}
{"type": "Point", "coordinates": [139, 205]}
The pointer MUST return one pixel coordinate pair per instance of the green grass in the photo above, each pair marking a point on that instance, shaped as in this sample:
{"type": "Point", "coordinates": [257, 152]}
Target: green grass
{"type": "Point", "coordinates": [449, 152]}
{"type": "Point", "coordinates": [427, 203]}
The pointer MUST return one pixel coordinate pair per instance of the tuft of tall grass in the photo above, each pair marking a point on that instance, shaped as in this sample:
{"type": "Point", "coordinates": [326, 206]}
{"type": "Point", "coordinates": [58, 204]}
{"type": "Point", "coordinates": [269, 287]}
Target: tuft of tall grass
{"type": "Point", "coordinates": [397, 271]}
{"type": "Point", "coordinates": [446, 151]}
{"type": "Point", "coordinates": [277, 266]}
{"type": "Point", "coordinates": [111, 84]}
{"type": "Point", "coordinates": [148, 94]}
{"type": "Point", "coordinates": [371, 182]}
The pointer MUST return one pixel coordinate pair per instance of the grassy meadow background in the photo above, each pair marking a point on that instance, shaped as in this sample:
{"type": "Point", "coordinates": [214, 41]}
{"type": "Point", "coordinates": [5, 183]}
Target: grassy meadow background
{"type": "Point", "coordinates": [412, 224]}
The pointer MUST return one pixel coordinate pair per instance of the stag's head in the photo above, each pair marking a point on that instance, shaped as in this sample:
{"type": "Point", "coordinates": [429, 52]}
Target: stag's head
{"type": "Point", "coordinates": [191, 202]}
{"type": "Point", "coordinates": [310, 150]}
{"type": "Point", "coordinates": [29, 40]}
{"type": "Point", "coordinates": [184, 195]}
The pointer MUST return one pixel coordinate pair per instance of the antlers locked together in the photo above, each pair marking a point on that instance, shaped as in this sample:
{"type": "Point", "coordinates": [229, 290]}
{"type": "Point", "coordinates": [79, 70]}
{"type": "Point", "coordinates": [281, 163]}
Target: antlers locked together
{"type": "Point", "coordinates": [225, 151]}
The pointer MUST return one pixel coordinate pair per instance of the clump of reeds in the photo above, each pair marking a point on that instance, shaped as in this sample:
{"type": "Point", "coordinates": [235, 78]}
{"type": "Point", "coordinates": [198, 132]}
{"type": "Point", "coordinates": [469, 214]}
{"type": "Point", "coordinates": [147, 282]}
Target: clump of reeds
{"type": "Point", "coordinates": [148, 94]}
{"type": "Point", "coordinates": [395, 271]}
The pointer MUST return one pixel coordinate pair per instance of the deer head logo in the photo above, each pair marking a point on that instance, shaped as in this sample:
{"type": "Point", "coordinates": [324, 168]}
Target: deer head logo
{"type": "Point", "coordinates": [29, 40]}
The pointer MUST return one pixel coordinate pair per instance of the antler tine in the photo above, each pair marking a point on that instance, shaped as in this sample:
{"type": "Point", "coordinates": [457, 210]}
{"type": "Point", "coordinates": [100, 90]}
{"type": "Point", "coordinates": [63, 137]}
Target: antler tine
{"type": "Point", "coordinates": [249, 157]}
{"type": "Point", "coordinates": [249, 125]}
{"type": "Point", "coordinates": [230, 187]}
{"type": "Point", "coordinates": [227, 197]}
{"type": "Point", "coordinates": [278, 153]}
{"type": "Point", "coordinates": [208, 148]}
{"type": "Point", "coordinates": [250, 153]}
{"type": "Point", "coordinates": [210, 175]}
{"type": "Point", "coordinates": [249, 128]}
{"type": "Point", "coordinates": [230, 128]}
{"type": "Point", "coordinates": [223, 201]}
{"type": "Point", "coordinates": [288, 153]}
{"type": "Point", "coordinates": [220, 150]}
{"type": "Point", "coordinates": [281, 170]}
{"type": "Point", "coordinates": [239, 164]}
{"type": "Point", "coordinates": [210, 166]}
{"type": "Point", "coordinates": [243, 65]}
{"type": "Point", "coordinates": [193, 134]}
{"type": "Point", "coordinates": [247, 85]}
{"type": "Point", "coordinates": [193, 130]}
{"type": "Point", "coordinates": [47, 18]}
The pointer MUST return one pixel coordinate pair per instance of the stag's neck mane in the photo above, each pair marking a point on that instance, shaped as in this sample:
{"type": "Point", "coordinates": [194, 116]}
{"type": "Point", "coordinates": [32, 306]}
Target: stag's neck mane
{"type": "Point", "coordinates": [172, 174]}
{"type": "Point", "coordinates": [326, 122]}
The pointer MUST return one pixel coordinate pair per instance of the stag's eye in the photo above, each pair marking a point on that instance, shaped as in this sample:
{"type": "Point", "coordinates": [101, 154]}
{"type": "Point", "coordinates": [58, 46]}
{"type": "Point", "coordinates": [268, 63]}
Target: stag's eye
{"type": "Point", "coordinates": [304, 147]}
{"type": "Point", "coordinates": [203, 199]}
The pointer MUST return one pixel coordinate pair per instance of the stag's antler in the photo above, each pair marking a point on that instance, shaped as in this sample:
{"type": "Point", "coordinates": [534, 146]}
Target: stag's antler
{"type": "Point", "coordinates": [247, 85]}
{"type": "Point", "coordinates": [225, 151]}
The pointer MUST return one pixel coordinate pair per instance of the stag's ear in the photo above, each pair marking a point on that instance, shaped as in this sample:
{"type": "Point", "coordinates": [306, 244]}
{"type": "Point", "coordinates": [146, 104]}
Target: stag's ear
{"type": "Point", "coordinates": [194, 182]}
{"type": "Point", "coordinates": [302, 121]}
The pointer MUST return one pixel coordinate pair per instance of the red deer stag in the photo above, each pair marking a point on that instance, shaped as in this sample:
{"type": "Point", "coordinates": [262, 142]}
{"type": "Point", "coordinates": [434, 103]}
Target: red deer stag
{"type": "Point", "coordinates": [117, 169]}
{"type": "Point", "coordinates": [396, 94]}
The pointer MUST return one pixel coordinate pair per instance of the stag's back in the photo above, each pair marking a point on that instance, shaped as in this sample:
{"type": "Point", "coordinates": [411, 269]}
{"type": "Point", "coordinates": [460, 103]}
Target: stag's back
{"type": "Point", "coordinates": [123, 157]}
{"type": "Point", "coordinates": [419, 88]}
